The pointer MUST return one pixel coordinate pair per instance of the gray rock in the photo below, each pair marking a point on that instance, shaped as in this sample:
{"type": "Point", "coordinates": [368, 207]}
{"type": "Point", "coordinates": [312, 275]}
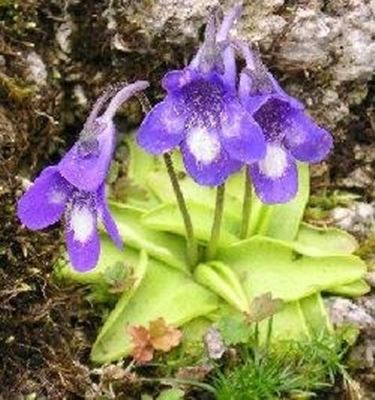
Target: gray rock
{"type": "Point", "coordinates": [37, 69]}
{"type": "Point", "coordinates": [344, 311]}
{"type": "Point", "coordinates": [214, 343]}
{"type": "Point", "coordinates": [358, 219]}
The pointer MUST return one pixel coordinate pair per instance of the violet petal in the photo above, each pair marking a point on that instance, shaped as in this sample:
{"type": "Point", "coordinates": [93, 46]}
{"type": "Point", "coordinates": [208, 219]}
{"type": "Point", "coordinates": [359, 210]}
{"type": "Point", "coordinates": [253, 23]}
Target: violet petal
{"type": "Point", "coordinates": [87, 168]}
{"type": "Point", "coordinates": [306, 140]}
{"type": "Point", "coordinates": [162, 129]}
{"type": "Point", "coordinates": [44, 202]}
{"type": "Point", "coordinates": [275, 178]}
{"type": "Point", "coordinates": [205, 159]}
{"type": "Point", "coordinates": [107, 219]}
{"type": "Point", "coordinates": [81, 233]}
{"type": "Point", "coordinates": [241, 136]}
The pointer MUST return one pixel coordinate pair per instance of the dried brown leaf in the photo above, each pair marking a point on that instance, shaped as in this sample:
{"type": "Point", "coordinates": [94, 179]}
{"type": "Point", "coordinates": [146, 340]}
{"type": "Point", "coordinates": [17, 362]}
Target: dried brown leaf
{"type": "Point", "coordinates": [163, 336]}
{"type": "Point", "coordinates": [264, 307]}
{"type": "Point", "coordinates": [143, 350]}
{"type": "Point", "coordinates": [159, 336]}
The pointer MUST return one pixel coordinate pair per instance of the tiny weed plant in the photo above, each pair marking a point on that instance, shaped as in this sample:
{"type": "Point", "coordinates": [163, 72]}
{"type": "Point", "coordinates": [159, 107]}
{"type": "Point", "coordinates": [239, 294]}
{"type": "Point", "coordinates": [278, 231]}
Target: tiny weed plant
{"type": "Point", "coordinates": [290, 370]}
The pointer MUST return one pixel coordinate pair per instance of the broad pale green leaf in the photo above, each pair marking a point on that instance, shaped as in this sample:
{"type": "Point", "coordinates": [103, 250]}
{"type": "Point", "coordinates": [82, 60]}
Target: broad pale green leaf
{"type": "Point", "coordinates": [160, 245]}
{"type": "Point", "coordinates": [193, 193]}
{"type": "Point", "coordinates": [320, 242]}
{"type": "Point", "coordinates": [265, 265]}
{"type": "Point", "coordinates": [168, 218]}
{"type": "Point", "coordinates": [235, 185]}
{"type": "Point", "coordinates": [164, 292]}
{"type": "Point", "coordinates": [288, 324]}
{"type": "Point", "coordinates": [160, 184]}
{"type": "Point", "coordinates": [316, 315]}
{"type": "Point", "coordinates": [224, 282]}
{"type": "Point", "coordinates": [141, 163]}
{"type": "Point", "coordinates": [354, 289]}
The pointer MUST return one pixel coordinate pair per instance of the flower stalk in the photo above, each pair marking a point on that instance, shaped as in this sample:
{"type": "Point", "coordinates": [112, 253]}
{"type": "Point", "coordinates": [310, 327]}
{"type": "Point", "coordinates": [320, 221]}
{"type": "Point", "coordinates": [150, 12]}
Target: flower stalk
{"type": "Point", "coordinates": [216, 226]}
{"type": "Point", "coordinates": [246, 206]}
{"type": "Point", "coordinates": [191, 243]}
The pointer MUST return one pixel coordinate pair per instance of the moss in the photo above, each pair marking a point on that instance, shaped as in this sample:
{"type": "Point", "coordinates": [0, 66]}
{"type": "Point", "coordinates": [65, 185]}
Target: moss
{"type": "Point", "coordinates": [14, 89]}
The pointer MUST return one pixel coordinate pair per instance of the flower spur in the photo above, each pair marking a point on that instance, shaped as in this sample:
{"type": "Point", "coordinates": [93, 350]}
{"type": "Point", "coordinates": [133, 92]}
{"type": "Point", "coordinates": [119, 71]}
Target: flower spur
{"type": "Point", "coordinates": [290, 134]}
{"type": "Point", "coordinates": [75, 189]}
{"type": "Point", "coordinates": [202, 115]}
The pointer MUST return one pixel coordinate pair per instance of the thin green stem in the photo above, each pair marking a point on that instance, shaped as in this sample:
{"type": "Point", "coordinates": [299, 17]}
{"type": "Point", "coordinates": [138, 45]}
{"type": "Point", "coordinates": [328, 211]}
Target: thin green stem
{"type": "Point", "coordinates": [269, 333]}
{"type": "Point", "coordinates": [216, 226]}
{"type": "Point", "coordinates": [191, 243]}
{"type": "Point", "coordinates": [246, 206]}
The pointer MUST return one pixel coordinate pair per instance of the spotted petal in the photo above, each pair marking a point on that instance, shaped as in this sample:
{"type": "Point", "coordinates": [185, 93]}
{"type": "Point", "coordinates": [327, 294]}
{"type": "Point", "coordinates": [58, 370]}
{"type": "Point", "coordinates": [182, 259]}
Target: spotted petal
{"type": "Point", "coordinates": [43, 204]}
{"type": "Point", "coordinates": [107, 219]}
{"type": "Point", "coordinates": [86, 165]}
{"type": "Point", "coordinates": [306, 140]}
{"type": "Point", "coordinates": [241, 136]}
{"type": "Point", "coordinates": [275, 178]}
{"type": "Point", "coordinates": [205, 159]}
{"type": "Point", "coordinates": [162, 129]}
{"type": "Point", "coordinates": [81, 233]}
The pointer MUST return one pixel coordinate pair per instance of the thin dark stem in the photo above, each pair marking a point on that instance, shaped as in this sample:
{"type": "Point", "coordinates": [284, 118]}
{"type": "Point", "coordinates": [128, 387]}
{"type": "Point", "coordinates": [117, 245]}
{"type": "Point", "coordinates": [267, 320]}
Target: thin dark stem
{"type": "Point", "coordinates": [191, 243]}
{"type": "Point", "coordinates": [181, 381]}
{"type": "Point", "coordinates": [216, 226]}
{"type": "Point", "coordinates": [246, 206]}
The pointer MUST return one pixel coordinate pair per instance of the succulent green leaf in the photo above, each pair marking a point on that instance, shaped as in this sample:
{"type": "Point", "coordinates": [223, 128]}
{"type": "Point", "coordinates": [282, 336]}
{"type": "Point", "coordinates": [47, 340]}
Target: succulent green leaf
{"type": "Point", "coordinates": [288, 324]}
{"type": "Point", "coordinates": [168, 218]}
{"type": "Point", "coordinates": [316, 315]}
{"type": "Point", "coordinates": [164, 292]}
{"type": "Point", "coordinates": [141, 163]}
{"type": "Point", "coordinates": [160, 185]}
{"type": "Point", "coordinates": [319, 242]}
{"type": "Point", "coordinates": [161, 245]}
{"type": "Point", "coordinates": [353, 289]}
{"type": "Point", "coordinates": [224, 282]}
{"type": "Point", "coordinates": [266, 265]}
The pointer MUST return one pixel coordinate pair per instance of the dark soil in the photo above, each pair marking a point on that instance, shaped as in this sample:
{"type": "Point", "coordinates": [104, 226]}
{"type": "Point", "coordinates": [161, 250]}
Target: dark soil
{"type": "Point", "coordinates": [46, 330]}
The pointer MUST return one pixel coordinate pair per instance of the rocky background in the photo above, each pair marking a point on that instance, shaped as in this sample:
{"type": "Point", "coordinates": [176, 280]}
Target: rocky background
{"type": "Point", "coordinates": [56, 57]}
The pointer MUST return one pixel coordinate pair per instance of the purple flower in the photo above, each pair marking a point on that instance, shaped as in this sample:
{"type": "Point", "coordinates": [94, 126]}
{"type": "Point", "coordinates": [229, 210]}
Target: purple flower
{"type": "Point", "coordinates": [290, 134]}
{"type": "Point", "coordinates": [203, 115]}
{"type": "Point", "coordinates": [75, 188]}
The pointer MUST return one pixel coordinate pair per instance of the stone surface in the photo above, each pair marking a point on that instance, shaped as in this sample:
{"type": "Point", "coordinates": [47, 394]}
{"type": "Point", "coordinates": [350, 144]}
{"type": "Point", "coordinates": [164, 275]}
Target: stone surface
{"type": "Point", "coordinates": [344, 311]}
{"type": "Point", "coordinates": [323, 52]}
{"type": "Point", "coordinates": [358, 219]}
